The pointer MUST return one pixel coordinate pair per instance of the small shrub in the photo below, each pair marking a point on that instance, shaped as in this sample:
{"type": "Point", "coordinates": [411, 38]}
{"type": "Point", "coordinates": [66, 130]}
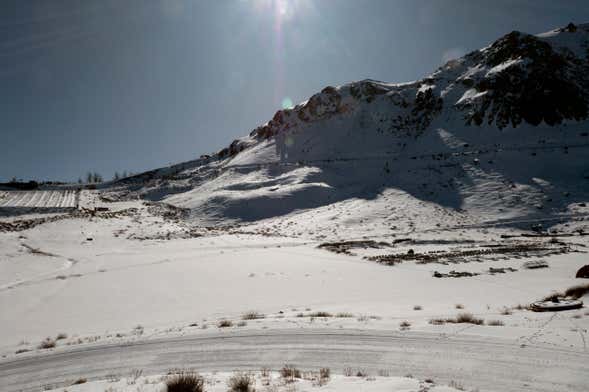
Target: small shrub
{"type": "Point", "coordinates": [417, 307]}
{"type": "Point", "coordinates": [459, 306]}
{"type": "Point", "coordinates": [289, 373]}
{"type": "Point", "coordinates": [405, 324]}
{"type": "Point", "coordinates": [384, 373]}
{"type": "Point", "coordinates": [241, 382]}
{"type": "Point", "coordinates": [468, 318]}
{"type": "Point", "coordinates": [61, 336]}
{"type": "Point", "coordinates": [185, 382]}
{"type": "Point", "coordinates": [344, 315]}
{"type": "Point", "coordinates": [22, 350]}
{"type": "Point", "coordinates": [361, 373]}
{"type": "Point", "coordinates": [495, 323]}
{"type": "Point", "coordinates": [224, 323]}
{"type": "Point", "coordinates": [348, 372]}
{"type": "Point", "coordinates": [324, 373]}
{"type": "Point", "coordinates": [47, 343]}
{"type": "Point", "coordinates": [460, 318]}
{"type": "Point", "coordinates": [241, 324]}
{"type": "Point", "coordinates": [80, 381]}
{"type": "Point", "coordinates": [252, 315]}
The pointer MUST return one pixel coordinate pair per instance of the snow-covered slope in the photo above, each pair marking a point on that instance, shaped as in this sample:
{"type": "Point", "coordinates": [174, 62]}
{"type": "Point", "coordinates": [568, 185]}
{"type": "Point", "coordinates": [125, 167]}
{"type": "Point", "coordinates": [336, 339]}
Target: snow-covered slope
{"type": "Point", "coordinates": [497, 136]}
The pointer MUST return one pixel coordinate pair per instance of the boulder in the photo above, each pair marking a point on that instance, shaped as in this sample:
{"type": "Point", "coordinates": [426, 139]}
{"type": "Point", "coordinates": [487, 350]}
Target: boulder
{"type": "Point", "coordinates": [583, 272]}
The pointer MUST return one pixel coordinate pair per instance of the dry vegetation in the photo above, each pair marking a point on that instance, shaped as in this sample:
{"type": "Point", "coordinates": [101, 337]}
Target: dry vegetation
{"type": "Point", "coordinates": [185, 382]}
{"type": "Point", "coordinates": [252, 315]}
{"type": "Point", "coordinates": [224, 323]}
{"type": "Point", "coordinates": [241, 382]}
{"type": "Point", "coordinates": [289, 373]}
{"type": "Point", "coordinates": [466, 318]}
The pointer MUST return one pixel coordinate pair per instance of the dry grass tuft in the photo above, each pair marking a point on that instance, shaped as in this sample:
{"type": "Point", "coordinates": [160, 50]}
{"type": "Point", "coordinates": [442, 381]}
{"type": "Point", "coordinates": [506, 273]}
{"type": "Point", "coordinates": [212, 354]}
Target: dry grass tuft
{"type": "Point", "coordinates": [252, 315]}
{"type": "Point", "coordinates": [468, 318]}
{"type": "Point", "coordinates": [224, 323]}
{"type": "Point", "coordinates": [46, 344]}
{"type": "Point", "coordinates": [464, 317]}
{"type": "Point", "coordinates": [185, 382]}
{"type": "Point", "coordinates": [241, 382]}
{"type": "Point", "coordinates": [289, 373]}
{"type": "Point", "coordinates": [405, 324]}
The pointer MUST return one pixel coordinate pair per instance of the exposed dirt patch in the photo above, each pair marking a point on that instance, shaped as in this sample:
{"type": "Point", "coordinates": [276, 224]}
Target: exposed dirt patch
{"type": "Point", "coordinates": [533, 249]}
{"type": "Point", "coordinates": [345, 247]}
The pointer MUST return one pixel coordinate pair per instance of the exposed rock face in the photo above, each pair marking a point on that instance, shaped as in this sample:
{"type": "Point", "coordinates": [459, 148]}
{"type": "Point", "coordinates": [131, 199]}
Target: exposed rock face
{"type": "Point", "coordinates": [536, 83]}
{"type": "Point", "coordinates": [520, 78]}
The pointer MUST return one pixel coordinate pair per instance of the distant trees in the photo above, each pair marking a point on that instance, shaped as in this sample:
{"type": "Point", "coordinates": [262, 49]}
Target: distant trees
{"type": "Point", "coordinates": [93, 178]}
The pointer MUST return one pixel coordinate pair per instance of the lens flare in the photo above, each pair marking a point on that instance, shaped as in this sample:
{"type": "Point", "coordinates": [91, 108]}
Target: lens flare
{"type": "Point", "coordinates": [287, 103]}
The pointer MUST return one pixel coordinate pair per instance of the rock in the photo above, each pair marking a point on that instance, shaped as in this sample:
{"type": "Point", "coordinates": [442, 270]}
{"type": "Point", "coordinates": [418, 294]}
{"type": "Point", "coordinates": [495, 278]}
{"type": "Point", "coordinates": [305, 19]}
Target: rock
{"type": "Point", "coordinates": [583, 272]}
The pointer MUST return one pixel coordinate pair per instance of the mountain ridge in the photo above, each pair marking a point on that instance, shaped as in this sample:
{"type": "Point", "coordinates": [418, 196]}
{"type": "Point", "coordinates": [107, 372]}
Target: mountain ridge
{"type": "Point", "coordinates": [481, 139]}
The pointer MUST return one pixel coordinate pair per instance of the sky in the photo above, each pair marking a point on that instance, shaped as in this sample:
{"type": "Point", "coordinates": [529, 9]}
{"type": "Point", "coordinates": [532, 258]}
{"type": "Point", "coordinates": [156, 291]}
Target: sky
{"type": "Point", "coordinates": [110, 85]}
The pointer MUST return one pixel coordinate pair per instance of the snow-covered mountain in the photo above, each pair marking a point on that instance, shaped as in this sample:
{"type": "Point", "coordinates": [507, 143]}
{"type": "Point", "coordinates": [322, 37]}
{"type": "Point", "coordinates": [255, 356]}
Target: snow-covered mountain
{"type": "Point", "coordinates": [499, 136]}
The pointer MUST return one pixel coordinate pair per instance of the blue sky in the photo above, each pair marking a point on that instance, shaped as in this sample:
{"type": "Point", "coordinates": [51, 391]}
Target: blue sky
{"type": "Point", "coordinates": [137, 84]}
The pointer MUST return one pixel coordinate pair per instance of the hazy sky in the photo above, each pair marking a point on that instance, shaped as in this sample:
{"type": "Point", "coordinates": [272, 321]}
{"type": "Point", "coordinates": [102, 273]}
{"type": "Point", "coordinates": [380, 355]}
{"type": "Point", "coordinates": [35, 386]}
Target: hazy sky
{"type": "Point", "coordinates": [132, 85]}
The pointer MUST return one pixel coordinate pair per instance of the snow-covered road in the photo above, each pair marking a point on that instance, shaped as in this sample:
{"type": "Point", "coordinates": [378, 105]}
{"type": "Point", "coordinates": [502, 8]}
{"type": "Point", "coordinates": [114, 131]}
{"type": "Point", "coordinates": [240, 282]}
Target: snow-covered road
{"type": "Point", "coordinates": [488, 364]}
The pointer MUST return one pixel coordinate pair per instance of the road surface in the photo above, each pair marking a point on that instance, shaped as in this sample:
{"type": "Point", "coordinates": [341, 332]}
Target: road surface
{"type": "Point", "coordinates": [476, 362]}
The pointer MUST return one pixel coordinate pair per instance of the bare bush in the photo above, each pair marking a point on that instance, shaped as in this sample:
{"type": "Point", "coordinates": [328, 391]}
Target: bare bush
{"type": "Point", "coordinates": [344, 315]}
{"type": "Point", "coordinates": [241, 382]}
{"type": "Point", "coordinates": [224, 323]}
{"type": "Point", "coordinates": [47, 343]}
{"type": "Point", "coordinates": [185, 382]}
{"type": "Point", "coordinates": [417, 307]}
{"type": "Point", "coordinates": [289, 373]}
{"type": "Point", "coordinates": [468, 318]}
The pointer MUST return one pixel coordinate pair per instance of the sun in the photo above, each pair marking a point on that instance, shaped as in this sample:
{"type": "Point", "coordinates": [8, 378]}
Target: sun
{"type": "Point", "coordinates": [282, 9]}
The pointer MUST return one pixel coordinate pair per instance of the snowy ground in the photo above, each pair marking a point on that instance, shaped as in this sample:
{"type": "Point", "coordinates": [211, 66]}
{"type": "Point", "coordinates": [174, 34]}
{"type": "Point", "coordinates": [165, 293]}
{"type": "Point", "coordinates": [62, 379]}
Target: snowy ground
{"type": "Point", "coordinates": [138, 272]}
{"type": "Point", "coordinates": [218, 382]}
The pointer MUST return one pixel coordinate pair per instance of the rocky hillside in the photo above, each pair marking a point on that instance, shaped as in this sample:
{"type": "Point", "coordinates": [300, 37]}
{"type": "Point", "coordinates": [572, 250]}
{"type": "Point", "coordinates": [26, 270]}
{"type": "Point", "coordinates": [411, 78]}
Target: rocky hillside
{"type": "Point", "coordinates": [498, 135]}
